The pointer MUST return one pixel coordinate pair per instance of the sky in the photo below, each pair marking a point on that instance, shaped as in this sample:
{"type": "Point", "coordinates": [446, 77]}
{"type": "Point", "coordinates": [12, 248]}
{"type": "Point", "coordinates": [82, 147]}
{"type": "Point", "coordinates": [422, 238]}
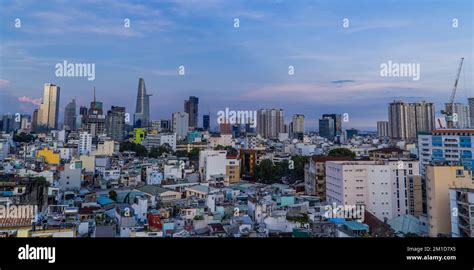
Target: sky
{"type": "Point", "coordinates": [336, 68]}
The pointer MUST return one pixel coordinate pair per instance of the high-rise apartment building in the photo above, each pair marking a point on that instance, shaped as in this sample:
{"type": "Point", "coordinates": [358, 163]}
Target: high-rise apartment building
{"type": "Point", "coordinates": [49, 109]}
{"type": "Point", "coordinates": [141, 118]}
{"type": "Point", "coordinates": [116, 123]}
{"type": "Point", "coordinates": [407, 119]}
{"type": "Point", "coordinates": [382, 129]}
{"type": "Point", "coordinates": [461, 117]}
{"type": "Point", "coordinates": [471, 112]}
{"type": "Point", "coordinates": [180, 124]}
{"type": "Point", "coordinates": [270, 122]}
{"type": "Point", "coordinates": [297, 126]}
{"type": "Point", "coordinates": [191, 107]}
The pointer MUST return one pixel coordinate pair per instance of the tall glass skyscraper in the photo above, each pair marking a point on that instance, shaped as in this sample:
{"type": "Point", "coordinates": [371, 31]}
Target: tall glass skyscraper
{"type": "Point", "coordinates": [141, 118]}
{"type": "Point", "coordinates": [49, 108]}
{"type": "Point", "coordinates": [191, 107]}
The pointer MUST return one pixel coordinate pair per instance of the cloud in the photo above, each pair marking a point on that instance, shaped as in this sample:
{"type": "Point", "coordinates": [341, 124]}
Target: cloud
{"type": "Point", "coordinates": [4, 83]}
{"type": "Point", "coordinates": [342, 81]}
{"type": "Point", "coordinates": [26, 99]}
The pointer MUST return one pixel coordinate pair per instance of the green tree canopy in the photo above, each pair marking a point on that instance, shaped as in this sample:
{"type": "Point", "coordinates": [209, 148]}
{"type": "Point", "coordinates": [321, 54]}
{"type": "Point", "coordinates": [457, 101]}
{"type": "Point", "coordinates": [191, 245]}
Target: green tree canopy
{"type": "Point", "coordinates": [341, 152]}
{"type": "Point", "coordinates": [139, 149]}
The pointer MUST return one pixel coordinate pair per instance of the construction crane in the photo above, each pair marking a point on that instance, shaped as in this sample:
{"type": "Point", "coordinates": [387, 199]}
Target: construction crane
{"type": "Point", "coordinates": [448, 112]}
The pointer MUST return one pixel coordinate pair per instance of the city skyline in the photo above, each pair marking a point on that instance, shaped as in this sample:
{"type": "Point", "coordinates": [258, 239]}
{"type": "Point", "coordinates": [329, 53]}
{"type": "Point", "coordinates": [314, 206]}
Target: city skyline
{"type": "Point", "coordinates": [240, 68]}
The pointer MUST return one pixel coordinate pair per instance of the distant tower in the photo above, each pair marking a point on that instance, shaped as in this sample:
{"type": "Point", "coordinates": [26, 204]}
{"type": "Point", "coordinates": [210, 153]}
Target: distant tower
{"type": "Point", "coordinates": [191, 107]}
{"type": "Point", "coordinates": [70, 115]}
{"type": "Point", "coordinates": [141, 118]}
{"type": "Point", "coordinates": [49, 108]}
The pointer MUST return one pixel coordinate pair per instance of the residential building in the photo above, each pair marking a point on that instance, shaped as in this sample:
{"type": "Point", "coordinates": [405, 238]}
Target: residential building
{"type": "Point", "coordinates": [462, 212]}
{"type": "Point", "coordinates": [439, 179]}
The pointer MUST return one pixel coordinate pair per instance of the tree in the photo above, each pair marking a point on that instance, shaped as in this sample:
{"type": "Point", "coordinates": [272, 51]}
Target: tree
{"type": "Point", "coordinates": [264, 172]}
{"type": "Point", "coordinates": [230, 150]}
{"type": "Point", "coordinates": [156, 152]}
{"type": "Point", "coordinates": [139, 149]}
{"type": "Point", "coordinates": [194, 153]}
{"type": "Point", "coordinates": [23, 138]}
{"type": "Point", "coordinates": [341, 152]}
{"type": "Point", "coordinates": [113, 195]}
{"type": "Point", "coordinates": [297, 173]}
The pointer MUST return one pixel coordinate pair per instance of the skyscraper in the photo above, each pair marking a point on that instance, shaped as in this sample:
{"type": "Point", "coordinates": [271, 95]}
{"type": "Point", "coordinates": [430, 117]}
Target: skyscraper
{"type": "Point", "coordinates": [69, 115]}
{"type": "Point", "coordinates": [191, 107]}
{"type": "Point", "coordinates": [337, 123]}
{"type": "Point", "coordinates": [297, 126]}
{"type": "Point", "coordinates": [471, 112]}
{"type": "Point", "coordinates": [180, 124]}
{"type": "Point", "coordinates": [49, 108]}
{"type": "Point", "coordinates": [141, 117]}
{"type": "Point", "coordinates": [270, 122]}
{"type": "Point", "coordinates": [326, 128]}
{"type": "Point", "coordinates": [116, 123]}
{"type": "Point", "coordinates": [462, 116]}
{"type": "Point", "coordinates": [206, 122]}
{"type": "Point", "coordinates": [34, 121]}
{"type": "Point", "coordinates": [382, 128]}
{"type": "Point", "coordinates": [407, 119]}
{"type": "Point", "coordinates": [94, 120]}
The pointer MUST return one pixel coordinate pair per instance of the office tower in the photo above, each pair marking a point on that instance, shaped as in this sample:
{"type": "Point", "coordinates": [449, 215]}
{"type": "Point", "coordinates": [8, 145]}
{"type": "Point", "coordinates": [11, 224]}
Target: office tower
{"type": "Point", "coordinates": [471, 112]}
{"type": "Point", "coordinates": [180, 124]}
{"type": "Point", "coordinates": [9, 123]}
{"type": "Point", "coordinates": [141, 117]}
{"type": "Point", "coordinates": [116, 123]}
{"type": "Point", "coordinates": [440, 178]}
{"type": "Point", "coordinates": [191, 107]}
{"type": "Point", "coordinates": [406, 120]}
{"type": "Point", "coordinates": [350, 133]}
{"type": "Point", "coordinates": [34, 121]}
{"type": "Point", "coordinates": [462, 201]}
{"type": "Point", "coordinates": [337, 123]}
{"type": "Point", "coordinates": [85, 143]}
{"type": "Point", "coordinates": [94, 120]}
{"type": "Point", "coordinates": [382, 128]}
{"type": "Point", "coordinates": [378, 185]}
{"type": "Point", "coordinates": [70, 115]}
{"type": "Point", "coordinates": [297, 126]}
{"type": "Point", "coordinates": [326, 128]}
{"type": "Point", "coordinates": [206, 122]}
{"type": "Point", "coordinates": [49, 108]}
{"type": "Point", "coordinates": [270, 122]}
{"type": "Point", "coordinates": [83, 110]}
{"type": "Point", "coordinates": [462, 118]}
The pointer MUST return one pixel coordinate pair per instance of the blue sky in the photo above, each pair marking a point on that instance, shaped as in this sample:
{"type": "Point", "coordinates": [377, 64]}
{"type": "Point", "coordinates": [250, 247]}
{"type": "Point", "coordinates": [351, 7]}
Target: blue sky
{"type": "Point", "coordinates": [246, 68]}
